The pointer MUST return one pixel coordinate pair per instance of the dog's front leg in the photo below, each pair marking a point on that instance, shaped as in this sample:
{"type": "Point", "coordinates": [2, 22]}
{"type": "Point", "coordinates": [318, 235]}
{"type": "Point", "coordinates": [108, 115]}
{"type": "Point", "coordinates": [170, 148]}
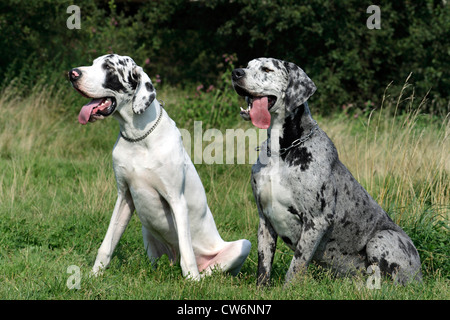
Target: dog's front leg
{"type": "Point", "coordinates": [267, 243]}
{"type": "Point", "coordinates": [121, 216]}
{"type": "Point", "coordinates": [187, 257]}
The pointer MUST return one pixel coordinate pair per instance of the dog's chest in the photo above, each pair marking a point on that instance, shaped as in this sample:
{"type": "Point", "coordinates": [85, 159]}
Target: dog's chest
{"type": "Point", "coordinates": [138, 171]}
{"type": "Point", "coordinates": [275, 199]}
{"type": "Point", "coordinates": [143, 176]}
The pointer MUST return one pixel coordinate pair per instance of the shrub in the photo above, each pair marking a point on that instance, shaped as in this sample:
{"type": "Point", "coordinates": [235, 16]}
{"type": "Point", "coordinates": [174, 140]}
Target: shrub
{"type": "Point", "coordinates": [183, 41]}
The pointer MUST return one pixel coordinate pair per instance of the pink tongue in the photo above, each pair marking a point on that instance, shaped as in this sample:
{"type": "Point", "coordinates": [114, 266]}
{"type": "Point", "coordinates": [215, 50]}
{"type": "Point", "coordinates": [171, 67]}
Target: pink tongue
{"type": "Point", "coordinates": [259, 113]}
{"type": "Point", "coordinates": [86, 111]}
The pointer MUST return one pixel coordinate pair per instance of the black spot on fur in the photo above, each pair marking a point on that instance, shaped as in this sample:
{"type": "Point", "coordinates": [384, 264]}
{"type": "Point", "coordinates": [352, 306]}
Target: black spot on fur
{"type": "Point", "coordinates": [120, 71]}
{"type": "Point", "coordinates": [362, 252]}
{"type": "Point", "coordinates": [322, 204]}
{"type": "Point", "coordinates": [149, 87]}
{"type": "Point", "coordinates": [152, 97]}
{"type": "Point", "coordinates": [287, 240]}
{"type": "Point", "coordinates": [292, 130]}
{"type": "Point", "coordinates": [292, 210]}
{"type": "Point", "coordinates": [322, 189]}
{"type": "Point", "coordinates": [412, 250]}
{"type": "Point", "coordinates": [276, 64]}
{"type": "Point", "coordinates": [112, 82]}
{"type": "Point", "coordinates": [408, 248]}
{"type": "Point", "coordinates": [132, 80]}
{"type": "Point", "coordinates": [298, 252]}
{"type": "Point", "coordinates": [301, 157]}
{"type": "Point", "coordinates": [307, 223]}
{"type": "Point", "coordinates": [388, 268]}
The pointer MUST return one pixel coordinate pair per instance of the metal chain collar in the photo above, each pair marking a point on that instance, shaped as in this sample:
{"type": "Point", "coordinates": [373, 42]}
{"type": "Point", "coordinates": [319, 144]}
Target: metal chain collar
{"type": "Point", "coordinates": [149, 131]}
{"type": "Point", "coordinates": [296, 142]}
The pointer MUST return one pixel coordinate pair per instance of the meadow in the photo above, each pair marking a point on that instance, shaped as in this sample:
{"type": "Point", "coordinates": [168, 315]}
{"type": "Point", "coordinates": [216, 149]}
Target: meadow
{"type": "Point", "coordinates": [57, 193]}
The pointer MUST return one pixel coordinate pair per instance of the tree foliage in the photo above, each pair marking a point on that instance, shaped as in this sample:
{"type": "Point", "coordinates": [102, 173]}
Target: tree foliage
{"type": "Point", "coordinates": [183, 42]}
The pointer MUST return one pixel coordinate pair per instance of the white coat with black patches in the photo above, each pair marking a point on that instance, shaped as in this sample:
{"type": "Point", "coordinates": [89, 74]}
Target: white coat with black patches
{"type": "Point", "coordinates": [154, 174]}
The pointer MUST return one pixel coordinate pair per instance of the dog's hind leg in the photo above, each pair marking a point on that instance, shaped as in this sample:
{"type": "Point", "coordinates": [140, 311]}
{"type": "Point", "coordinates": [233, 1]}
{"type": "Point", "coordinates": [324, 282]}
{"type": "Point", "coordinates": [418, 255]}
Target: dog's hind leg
{"type": "Point", "coordinates": [187, 257]}
{"type": "Point", "coordinates": [395, 254]}
{"type": "Point", "coordinates": [306, 247]}
{"type": "Point", "coordinates": [156, 249]}
{"type": "Point", "coordinates": [229, 259]}
{"type": "Point", "coordinates": [313, 230]}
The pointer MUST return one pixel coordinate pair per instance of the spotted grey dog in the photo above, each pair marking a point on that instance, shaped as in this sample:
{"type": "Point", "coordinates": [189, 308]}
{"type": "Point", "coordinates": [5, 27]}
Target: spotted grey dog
{"type": "Point", "coordinates": [154, 174]}
{"type": "Point", "coordinates": [304, 194]}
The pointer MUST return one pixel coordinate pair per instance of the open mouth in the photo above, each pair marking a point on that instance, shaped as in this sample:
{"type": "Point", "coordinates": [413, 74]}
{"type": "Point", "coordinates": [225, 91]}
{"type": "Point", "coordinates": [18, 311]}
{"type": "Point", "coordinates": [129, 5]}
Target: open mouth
{"type": "Point", "coordinates": [258, 108]}
{"type": "Point", "coordinates": [96, 109]}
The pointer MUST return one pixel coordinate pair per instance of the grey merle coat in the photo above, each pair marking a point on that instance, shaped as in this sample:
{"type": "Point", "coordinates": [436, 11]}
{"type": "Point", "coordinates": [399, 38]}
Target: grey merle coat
{"type": "Point", "coordinates": [304, 194]}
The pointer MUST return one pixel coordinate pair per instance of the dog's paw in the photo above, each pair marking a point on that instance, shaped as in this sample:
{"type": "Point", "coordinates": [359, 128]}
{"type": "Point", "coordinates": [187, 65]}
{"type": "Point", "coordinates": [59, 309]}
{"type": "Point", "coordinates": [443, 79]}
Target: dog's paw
{"type": "Point", "coordinates": [194, 277]}
{"type": "Point", "coordinates": [97, 271]}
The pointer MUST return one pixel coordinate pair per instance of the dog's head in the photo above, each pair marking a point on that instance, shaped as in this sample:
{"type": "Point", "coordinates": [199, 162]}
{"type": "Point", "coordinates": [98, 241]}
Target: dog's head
{"type": "Point", "coordinates": [112, 82]}
{"type": "Point", "coordinates": [270, 85]}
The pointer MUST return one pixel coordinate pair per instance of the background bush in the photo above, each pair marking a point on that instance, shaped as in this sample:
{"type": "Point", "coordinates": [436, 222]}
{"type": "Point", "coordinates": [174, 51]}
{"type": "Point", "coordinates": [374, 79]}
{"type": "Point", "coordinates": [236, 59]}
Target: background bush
{"type": "Point", "coordinates": [184, 42]}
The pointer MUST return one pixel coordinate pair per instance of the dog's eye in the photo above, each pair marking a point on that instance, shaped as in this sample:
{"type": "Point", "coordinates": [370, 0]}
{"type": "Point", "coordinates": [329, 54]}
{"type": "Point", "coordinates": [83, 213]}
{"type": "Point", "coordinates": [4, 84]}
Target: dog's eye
{"type": "Point", "coordinates": [265, 69]}
{"type": "Point", "coordinates": [107, 66]}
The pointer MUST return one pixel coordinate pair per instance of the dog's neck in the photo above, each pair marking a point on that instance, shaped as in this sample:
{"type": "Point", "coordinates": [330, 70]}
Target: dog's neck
{"type": "Point", "coordinates": [134, 126]}
{"type": "Point", "coordinates": [290, 127]}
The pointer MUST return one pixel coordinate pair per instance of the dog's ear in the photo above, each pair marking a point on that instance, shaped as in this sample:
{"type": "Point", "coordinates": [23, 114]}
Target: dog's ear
{"type": "Point", "coordinates": [145, 92]}
{"type": "Point", "coordinates": [300, 87]}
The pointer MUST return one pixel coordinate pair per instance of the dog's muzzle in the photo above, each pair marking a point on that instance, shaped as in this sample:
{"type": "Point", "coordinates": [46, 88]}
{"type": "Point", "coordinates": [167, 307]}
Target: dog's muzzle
{"type": "Point", "coordinates": [258, 110]}
{"type": "Point", "coordinates": [97, 108]}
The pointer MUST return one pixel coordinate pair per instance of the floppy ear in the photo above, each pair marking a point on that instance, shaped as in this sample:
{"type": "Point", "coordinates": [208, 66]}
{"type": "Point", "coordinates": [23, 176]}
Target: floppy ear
{"type": "Point", "coordinates": [145, 92]}
{"type": "Point", "coordinates": [300, 87]}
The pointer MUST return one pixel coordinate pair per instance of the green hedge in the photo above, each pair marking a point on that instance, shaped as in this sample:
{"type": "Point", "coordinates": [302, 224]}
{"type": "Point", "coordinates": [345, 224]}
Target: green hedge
{"type": "Point", "coordinates": [184, 42]}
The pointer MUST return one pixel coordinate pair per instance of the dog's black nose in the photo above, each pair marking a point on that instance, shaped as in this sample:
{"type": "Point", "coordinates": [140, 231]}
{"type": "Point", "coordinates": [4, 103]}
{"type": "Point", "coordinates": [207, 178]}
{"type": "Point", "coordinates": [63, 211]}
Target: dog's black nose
{"type": "Point", "coordinates": [237, 74]}
{"type": "Point", "coordinates": [74, 74]}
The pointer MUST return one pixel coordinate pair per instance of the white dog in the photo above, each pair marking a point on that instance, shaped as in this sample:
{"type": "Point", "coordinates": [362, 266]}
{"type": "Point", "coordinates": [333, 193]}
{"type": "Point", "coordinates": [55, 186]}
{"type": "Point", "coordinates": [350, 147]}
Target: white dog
{"type": "Point", "coordinates": [154, 174]}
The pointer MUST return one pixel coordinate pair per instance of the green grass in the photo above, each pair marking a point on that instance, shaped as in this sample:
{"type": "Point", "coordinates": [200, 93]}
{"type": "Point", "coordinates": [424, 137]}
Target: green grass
{"type": "Point", "coordinates": [57, 192]}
